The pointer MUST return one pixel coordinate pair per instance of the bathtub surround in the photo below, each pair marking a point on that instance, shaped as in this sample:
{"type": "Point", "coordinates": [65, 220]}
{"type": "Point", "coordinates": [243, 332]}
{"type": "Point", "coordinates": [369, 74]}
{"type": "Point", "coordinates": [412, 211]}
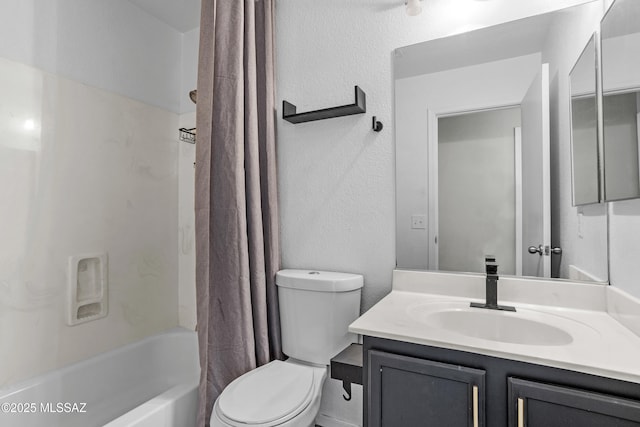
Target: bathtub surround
{"type": "Point", "coordinates": [237, 231]}
{"type": "Point", "coordinates": [186, 179]}
{"type": "Point", "coordinates": [186, 228]}
{"type": "Point", "coordinates": [97, 172]}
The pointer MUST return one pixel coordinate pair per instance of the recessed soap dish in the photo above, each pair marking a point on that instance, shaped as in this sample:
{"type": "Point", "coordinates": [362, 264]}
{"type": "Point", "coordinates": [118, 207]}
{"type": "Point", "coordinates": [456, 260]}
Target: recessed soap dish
{"type": "Point", "coordinates": [87, 288]}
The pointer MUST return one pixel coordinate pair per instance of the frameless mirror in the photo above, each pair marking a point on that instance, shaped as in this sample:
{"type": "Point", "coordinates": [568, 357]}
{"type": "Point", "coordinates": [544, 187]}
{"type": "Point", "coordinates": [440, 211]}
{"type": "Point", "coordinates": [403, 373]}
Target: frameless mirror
{"type": "Point", "coordinates": [584, 127]}
{"type": "Point", "coordinates": [474, 157]}
{"type": "Point", "coordinates": [620, 32]}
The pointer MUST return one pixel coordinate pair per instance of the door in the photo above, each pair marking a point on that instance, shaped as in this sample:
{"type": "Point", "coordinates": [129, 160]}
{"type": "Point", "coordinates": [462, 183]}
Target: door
{"type": "Point", "coordinates": [411, 392]}
{"type": "Point", "coordinates": [536, 187]}
{"type": "Point", "coordinates": [534, 404]}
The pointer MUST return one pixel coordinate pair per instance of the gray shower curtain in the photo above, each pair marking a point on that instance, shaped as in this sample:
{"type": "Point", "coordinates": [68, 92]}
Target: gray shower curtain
{"type": "Point", "coordinates": [237, 246]}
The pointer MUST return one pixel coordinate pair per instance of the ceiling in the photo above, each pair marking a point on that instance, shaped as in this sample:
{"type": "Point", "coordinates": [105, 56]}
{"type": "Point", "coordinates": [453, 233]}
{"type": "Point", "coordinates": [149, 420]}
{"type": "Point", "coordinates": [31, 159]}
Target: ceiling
{"type": "Point", "coordinates": [183, 15]}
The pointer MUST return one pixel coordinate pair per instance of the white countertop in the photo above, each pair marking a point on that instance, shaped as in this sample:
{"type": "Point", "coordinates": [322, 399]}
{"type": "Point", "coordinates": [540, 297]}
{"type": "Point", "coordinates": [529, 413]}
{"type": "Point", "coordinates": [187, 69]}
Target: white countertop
{"type": "Point", "coordinates": [600, 345]}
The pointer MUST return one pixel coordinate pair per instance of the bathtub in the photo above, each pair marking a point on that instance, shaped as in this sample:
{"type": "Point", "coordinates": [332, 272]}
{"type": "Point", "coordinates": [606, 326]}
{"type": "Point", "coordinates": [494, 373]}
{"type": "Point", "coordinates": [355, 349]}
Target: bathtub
{"type": "Point", "coordinates": [152, 382]}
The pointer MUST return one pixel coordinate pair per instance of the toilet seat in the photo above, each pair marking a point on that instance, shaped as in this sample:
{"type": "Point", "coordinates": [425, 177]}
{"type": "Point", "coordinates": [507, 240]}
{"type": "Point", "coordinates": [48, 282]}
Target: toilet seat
{"type": "Point", "coordinates": [267, 396]}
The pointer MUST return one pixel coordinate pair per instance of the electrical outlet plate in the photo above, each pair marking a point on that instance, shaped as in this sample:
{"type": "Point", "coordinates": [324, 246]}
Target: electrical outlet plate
{"type": "Point", "coordinates": [418, 222]}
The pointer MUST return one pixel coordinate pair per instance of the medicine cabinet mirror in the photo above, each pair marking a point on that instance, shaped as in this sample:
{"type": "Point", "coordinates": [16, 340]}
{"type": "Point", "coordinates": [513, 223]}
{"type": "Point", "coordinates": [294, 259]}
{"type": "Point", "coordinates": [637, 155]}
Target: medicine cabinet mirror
{"type": "Point", "coordinates": [620, 32]}
{"type": "Point", "coordinates": [584, 127]}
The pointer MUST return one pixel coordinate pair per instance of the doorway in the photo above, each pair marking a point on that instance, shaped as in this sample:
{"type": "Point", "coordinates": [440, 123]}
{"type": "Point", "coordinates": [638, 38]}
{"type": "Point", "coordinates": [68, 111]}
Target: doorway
{"type": "Point", "coordinates": [479, 191]}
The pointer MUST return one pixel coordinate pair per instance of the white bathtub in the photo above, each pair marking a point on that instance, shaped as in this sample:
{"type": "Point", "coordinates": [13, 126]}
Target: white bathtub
{"type": "Point", "coordinates": [152, 382]}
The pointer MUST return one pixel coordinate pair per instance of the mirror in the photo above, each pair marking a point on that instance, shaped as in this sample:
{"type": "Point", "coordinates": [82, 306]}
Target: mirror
{"type": "Point", "coordinates": [584, 128]}
{"type": "Point", "coordinates": [620, 32]}
{"type": "Point", "coordinates": [474, 122]}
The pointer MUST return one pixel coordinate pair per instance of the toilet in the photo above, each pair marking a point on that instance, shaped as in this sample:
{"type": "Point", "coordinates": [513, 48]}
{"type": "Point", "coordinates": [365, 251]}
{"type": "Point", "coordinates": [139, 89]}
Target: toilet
{"type": "Point", "coordinates": [316, 308]}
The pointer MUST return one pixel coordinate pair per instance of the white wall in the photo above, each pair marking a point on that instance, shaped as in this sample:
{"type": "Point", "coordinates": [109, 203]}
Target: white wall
{"type": "Point", "coordinates": [624, 226]}
{"type": "Point", "coordinates": [98, 173]}
{"type": "Point", "coordinates": [624, 252]}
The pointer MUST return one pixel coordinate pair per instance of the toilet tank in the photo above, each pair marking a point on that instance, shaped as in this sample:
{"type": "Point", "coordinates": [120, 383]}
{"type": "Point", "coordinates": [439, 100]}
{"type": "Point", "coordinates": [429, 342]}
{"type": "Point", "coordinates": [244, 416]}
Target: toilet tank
{"type": "Point", "coordinates": [316, 309]}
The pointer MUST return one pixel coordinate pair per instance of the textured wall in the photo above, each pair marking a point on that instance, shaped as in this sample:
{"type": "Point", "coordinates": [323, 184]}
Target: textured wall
{"type": "Point", "coordinates": [624, 251]}
{"type": "Point", "coordinates": [624, 230]}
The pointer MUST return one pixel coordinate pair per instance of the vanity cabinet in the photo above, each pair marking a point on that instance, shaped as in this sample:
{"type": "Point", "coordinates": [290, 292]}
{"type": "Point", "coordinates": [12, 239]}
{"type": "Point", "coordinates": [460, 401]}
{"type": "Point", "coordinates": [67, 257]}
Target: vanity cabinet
{"type": "Point", "coordinates": [408, 391]}
{"type": "Point", "coordinates": [412, 385]}
{"type": "Point", "coordinates": [534, 404]}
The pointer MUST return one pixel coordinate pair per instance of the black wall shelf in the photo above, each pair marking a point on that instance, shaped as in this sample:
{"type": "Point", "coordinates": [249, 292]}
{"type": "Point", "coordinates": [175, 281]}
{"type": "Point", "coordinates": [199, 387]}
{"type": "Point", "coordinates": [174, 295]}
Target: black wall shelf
{"type": "Point", "coordinates": [359, 107]}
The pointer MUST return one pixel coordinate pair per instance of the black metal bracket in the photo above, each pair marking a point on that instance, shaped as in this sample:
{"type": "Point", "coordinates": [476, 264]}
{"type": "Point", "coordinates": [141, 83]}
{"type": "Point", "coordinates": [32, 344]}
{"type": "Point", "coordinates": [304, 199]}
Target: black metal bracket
{"type": "Point", "coordinates": [358, 107]}
{"type": "Point", "coordinates": [347, 388]}
{"type": "Point", "coordinates": [376, 125]}
{"type": "Point", "coordinates": [347, 367]}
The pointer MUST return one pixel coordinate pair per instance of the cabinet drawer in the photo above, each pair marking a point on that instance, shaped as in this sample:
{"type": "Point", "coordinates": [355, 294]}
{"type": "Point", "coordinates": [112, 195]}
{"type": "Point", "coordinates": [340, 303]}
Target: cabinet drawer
{"type": "Point", "coordinates": [534, 404]}
{"type": "Point", "coordinates": [411, 392]}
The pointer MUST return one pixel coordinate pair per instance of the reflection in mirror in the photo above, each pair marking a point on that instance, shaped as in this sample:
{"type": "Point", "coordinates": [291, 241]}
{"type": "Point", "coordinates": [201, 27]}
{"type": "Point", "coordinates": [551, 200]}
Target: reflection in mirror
{"type": "Point", "coordinates": [584, 128]}
{"type": "Point", "coordinates": [478, 155]}
{"type": "Point", "coordinates": [473, 152]}
{"type": "Point", "coordinates": [621, 90]}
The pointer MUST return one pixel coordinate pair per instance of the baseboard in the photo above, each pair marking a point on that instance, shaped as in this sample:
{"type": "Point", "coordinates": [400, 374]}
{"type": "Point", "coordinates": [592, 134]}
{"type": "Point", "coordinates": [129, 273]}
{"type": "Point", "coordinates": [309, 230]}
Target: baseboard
{"type": "Point", "coordinates": [324, 421]}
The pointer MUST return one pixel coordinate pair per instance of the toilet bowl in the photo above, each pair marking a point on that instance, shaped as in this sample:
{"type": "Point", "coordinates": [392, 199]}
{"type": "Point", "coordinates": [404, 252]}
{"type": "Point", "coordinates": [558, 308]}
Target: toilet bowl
{"type": "Point", "coordinates": [283, 394]}
{"type": "Point", "coordinates": [316, 308]}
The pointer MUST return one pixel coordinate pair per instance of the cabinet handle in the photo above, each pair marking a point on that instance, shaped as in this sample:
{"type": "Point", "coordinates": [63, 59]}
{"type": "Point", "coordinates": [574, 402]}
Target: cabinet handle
{"type": "Point", "coordinates": [520, 412]}
{"type": "Point", "coordinates": [475, 406]}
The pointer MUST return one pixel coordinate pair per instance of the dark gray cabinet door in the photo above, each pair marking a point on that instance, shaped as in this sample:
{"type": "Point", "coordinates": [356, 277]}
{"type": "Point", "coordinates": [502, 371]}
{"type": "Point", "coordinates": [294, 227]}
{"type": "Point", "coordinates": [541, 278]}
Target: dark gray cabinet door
{"type": "Point", "coordinates": [411, 392]}
{"type": "Point", "coordinates": [533, 404]}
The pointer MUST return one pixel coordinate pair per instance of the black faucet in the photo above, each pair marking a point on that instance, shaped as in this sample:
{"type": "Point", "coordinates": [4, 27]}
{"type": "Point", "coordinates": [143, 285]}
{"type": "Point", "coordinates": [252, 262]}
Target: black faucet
{"type": "Point", "coordinates": [491, 298]}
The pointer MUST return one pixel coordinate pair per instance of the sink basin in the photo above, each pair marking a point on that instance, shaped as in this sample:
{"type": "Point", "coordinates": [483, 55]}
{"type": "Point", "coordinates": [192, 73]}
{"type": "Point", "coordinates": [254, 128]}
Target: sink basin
{"type": "Point", "coordinates": [522, 327]}
{"type": "Point", "coordinates": [498, 326]}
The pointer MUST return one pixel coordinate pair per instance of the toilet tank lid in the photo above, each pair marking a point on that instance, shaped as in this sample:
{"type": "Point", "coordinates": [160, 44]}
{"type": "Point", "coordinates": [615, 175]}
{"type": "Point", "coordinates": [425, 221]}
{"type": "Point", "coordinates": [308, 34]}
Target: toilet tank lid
{"type": "Point", "coordinates": [319, 281]}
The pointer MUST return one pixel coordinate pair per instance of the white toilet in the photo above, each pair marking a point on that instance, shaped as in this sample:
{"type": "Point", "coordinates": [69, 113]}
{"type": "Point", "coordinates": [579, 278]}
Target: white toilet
{"type": "Point", "coordinates": [316, 308]}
